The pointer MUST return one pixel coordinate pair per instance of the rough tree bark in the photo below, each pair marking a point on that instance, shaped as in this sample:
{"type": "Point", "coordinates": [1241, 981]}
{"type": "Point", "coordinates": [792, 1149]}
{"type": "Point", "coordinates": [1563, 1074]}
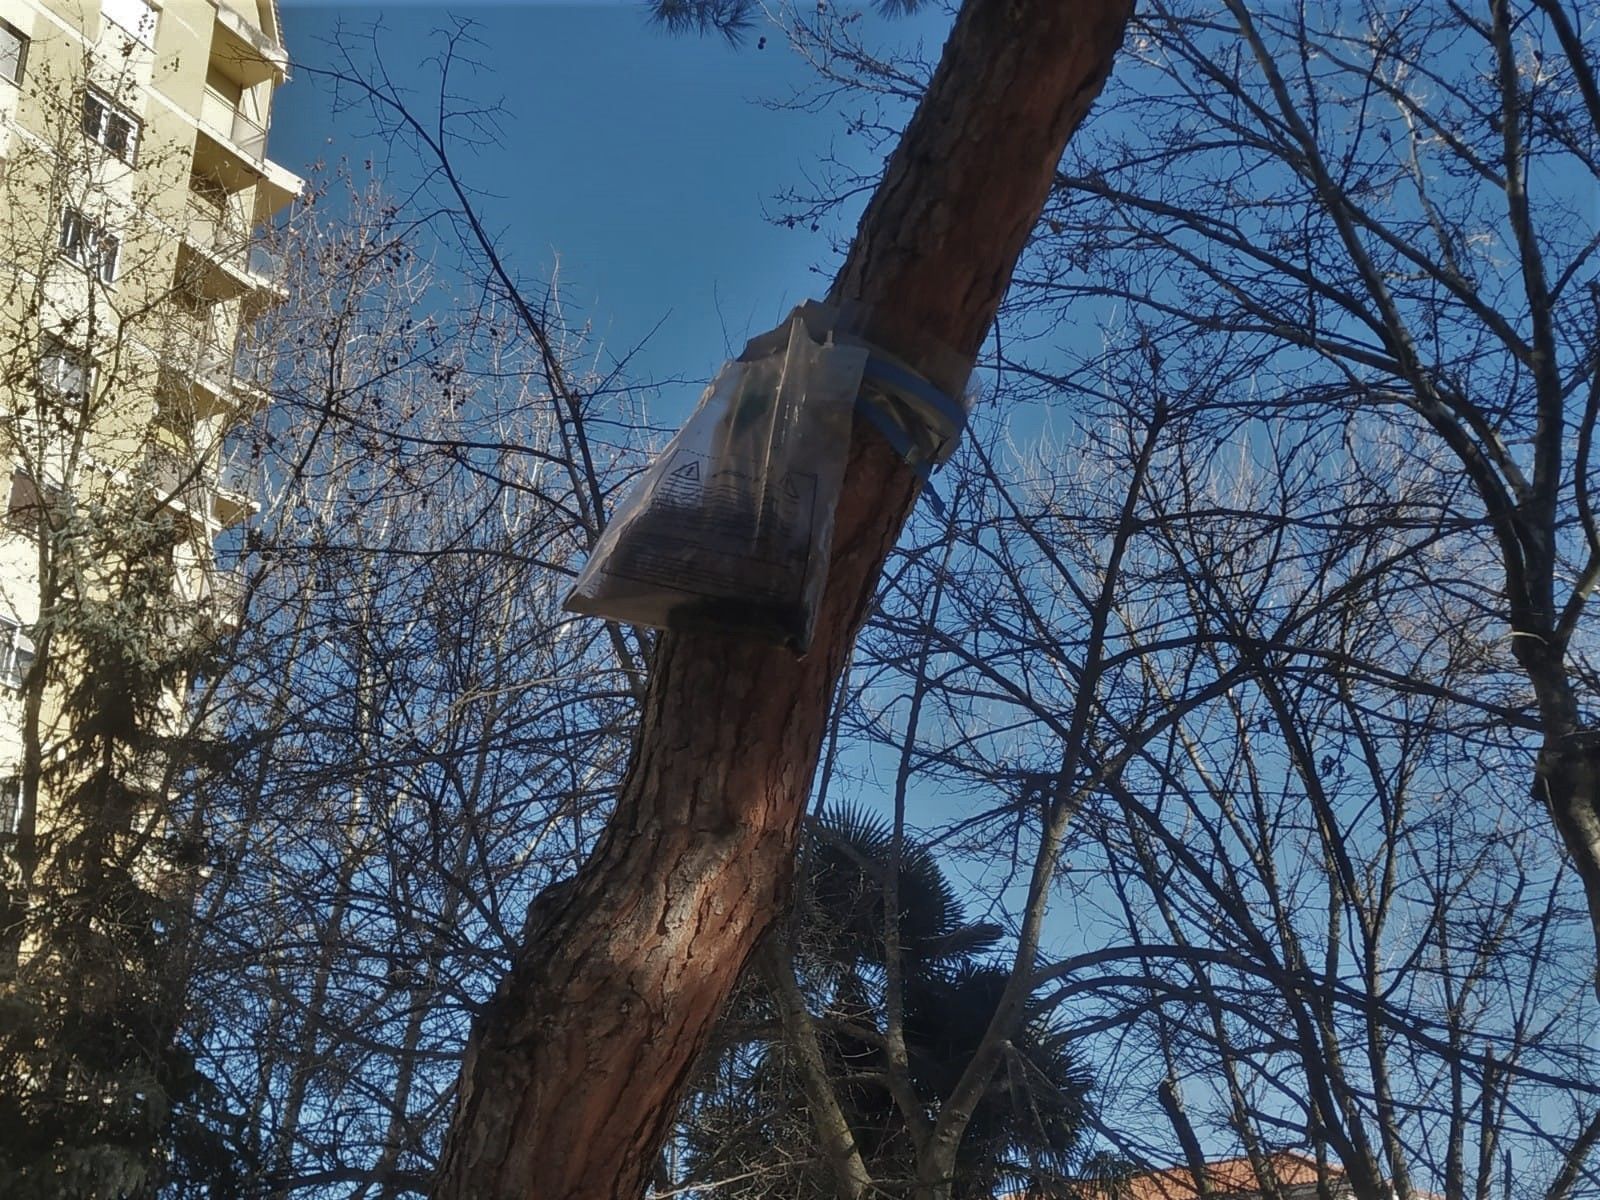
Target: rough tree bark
{"type": "Point", "coordinates": [575, 1067]}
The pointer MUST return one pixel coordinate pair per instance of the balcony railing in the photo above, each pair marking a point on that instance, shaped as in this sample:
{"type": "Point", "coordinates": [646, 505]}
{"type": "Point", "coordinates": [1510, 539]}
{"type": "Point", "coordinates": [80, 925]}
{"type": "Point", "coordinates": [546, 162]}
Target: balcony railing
{"type": "Point", "coordinates": [215, 364]}
{"type": "Point", "coordinates": [209, 225]}
{"type": "Point", "coordinates": [226, 494]}
{"type": "Point", "coordinates": [252, 364]}
{"type": "Point", "coordinates": [225, 596]}
{"type": "Point", "coordinates": [236, 478]}
{"type": "Point", "coordinates": [265, 262]}
{"type": "Point", "coordinates": [173, 474]}
{"type": "Point", "coordinates": [224, 116]}
{"type": "Point", "coordinates": [224, 236]}
{"type": "Point", "coordinates": [197, 348]}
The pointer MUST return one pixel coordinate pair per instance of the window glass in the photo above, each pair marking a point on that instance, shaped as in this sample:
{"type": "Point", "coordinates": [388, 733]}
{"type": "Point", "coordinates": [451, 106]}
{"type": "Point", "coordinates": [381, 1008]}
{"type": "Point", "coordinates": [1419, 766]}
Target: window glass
{"type": "Point", "coordinates": [23, 505]}
{"type": "Point", "coordinates": [94, 113]}
{"type": "Point", "coordinates": [10, 804]}
{"type": "Point", "coordinates": [16, 655]}
{"type": "Point", "coordinates": [64, 371]}
{"type": "Point", "coordinates": [74, 230]}
{"type": "Point", "coordinates": [119, 136]}
{"type": "Point", "coordinates": [90, 246]}
{"type": "Point", "coordinates": [114, 128]}
{"type": "Point", "coordinates": [22, 653]}
{"type": "Point", "coordinates": [28, 504]}
{"type": "Point", "coordinates": [13, 52]}
{"type": "Point", "coordinates": [108, 246]}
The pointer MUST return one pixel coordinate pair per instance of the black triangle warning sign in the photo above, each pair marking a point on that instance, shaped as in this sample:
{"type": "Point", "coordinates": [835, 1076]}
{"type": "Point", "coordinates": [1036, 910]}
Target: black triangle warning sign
{"type": "Point", "coordinates": [688, 473]}
{"type": "Point", "coordinates": [789, 489]}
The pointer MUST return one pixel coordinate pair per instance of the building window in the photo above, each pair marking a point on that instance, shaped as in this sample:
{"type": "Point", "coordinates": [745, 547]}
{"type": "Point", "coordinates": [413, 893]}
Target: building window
{"type": "Point", "coordinates": [65, 373]}
{"type": "Point", "coordinates": [16, 653]}
{"type": "Point", "coordinates": [113, 126]}
{"type": "Point", "coordinates": [28, 506]}
{"type": "Point", "coordinates": [136, 18]}
{"type": "Point", "coordinates": [10, 804]}
{"type": "Point", "coordinates": [89, 244]}
{"type": "Point", "coordinates": [13, 52]}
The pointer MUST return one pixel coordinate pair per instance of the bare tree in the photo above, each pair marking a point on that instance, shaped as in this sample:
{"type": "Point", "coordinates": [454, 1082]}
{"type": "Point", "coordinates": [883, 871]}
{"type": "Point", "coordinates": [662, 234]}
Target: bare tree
{"type": "Point", "coordinates": [1282, 713]}
{"type": "Point", "coordinates": [411, 739]}
{"type": "Point", "coordinates": [1345, 237]}
{"type": "Point", "coordinates": [1377, 213]}
{"type": "Point", "coordinates": [1302, 909]}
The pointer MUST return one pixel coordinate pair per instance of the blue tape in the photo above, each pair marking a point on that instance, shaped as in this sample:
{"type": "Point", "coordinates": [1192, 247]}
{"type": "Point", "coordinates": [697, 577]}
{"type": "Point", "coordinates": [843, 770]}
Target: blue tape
{"type": "Point", "coordinates": [901, 444]}
{"type": "Point", "coordinates": [894, 379]}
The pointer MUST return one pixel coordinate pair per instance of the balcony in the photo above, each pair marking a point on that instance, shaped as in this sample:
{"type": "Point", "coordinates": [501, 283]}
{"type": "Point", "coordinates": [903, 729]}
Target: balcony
{"type": "Point", "coordinates": [209, 223]}
{"type": "Point", "coordinates": [224, 119]}
{"type": "Point", "coordinates": [252, 369]}
{"type": "Point", "coordinates": [232, 149]}
{"type": "Point", "coordinates": [234, 498]}
{"type": "Point", "coordinates": [266, 264]}
{"type": "Point", "coordinates": [199, 488]}
{"type": "Point", "coordinates": [225, 598]}
{"type": "Point", "coordinates": [217, 260]}
{"type": "Point", "coordinates": [248, 53]}
{"type": "Point", "coordinates": [213, 365]}
{"type": "Point", "coordinates": [197, 359]}
{"type": "Point", "coordinates": [177, 477]}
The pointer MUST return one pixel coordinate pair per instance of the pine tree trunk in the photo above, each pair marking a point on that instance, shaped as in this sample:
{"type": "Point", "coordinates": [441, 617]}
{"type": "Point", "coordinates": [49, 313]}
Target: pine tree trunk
{"type": "Point", "coordinates": [575, 1068]}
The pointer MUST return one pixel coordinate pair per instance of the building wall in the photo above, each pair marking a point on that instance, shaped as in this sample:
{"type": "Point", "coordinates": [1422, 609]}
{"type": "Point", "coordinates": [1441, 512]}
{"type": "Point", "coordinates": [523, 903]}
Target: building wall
{"type": "Point", "coordinates": [195, 79]}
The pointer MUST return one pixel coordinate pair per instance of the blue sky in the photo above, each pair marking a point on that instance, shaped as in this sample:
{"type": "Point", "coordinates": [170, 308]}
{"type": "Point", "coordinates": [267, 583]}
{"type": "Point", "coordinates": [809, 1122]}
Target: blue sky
{"type": "Point", "coordinates": [645, 164]}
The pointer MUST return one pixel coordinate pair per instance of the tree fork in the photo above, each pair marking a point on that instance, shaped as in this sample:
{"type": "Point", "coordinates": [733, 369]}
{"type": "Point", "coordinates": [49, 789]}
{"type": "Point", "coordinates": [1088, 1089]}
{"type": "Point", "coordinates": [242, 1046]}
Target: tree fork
{"type": "Point", "coordinates": [575, 1067]}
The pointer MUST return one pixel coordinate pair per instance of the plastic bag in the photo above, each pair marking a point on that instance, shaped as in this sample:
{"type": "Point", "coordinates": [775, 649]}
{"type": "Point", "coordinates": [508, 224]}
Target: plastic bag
{"type": "Point", "coordinates": [729, 530]}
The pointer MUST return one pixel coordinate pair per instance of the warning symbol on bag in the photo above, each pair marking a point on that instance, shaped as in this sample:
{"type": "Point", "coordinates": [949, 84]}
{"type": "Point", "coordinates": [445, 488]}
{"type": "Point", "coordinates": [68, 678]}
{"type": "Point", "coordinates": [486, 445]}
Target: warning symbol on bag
{"type": "Point", "coordinates": [680, 486]}
{"type": "Point", "coordinates": [789, 489]}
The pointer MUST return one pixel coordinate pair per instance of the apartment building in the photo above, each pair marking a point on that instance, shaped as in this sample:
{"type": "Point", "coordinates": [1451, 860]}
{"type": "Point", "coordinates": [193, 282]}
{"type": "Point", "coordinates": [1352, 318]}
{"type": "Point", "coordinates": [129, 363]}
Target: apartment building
{"type": "Point", "coordinates": [133, 176]}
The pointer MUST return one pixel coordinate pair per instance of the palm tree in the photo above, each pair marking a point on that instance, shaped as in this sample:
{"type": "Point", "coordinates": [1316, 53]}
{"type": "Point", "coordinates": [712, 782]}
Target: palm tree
{"type": "Point", "coordinates": [748, 1133]}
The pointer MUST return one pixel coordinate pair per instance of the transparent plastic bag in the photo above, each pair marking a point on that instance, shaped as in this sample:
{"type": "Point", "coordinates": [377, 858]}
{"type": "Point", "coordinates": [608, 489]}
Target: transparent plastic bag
{"type": "Point", "coordinates": [729, 530]}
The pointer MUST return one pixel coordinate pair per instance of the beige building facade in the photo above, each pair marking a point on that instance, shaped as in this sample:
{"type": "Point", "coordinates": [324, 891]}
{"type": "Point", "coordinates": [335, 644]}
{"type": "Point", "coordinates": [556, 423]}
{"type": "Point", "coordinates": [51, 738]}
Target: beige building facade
{"type": "Point", "coordinates": [133, 181]}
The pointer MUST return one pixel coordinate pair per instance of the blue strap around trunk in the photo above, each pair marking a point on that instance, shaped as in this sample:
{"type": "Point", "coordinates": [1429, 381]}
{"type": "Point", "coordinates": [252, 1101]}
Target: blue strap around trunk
{"type": "Point", "coordinates": [919, 421]}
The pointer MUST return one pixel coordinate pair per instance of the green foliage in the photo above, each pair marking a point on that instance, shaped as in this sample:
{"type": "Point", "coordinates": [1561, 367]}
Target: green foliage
{"type": "Point", "coordinates": [98, 1096]}
{"type": "Point", "coordinates": [842, 902]}
{"type": "Point", "coordinates": [749, 1127]}
{"type": "Point", "coordinates": [731, 18]}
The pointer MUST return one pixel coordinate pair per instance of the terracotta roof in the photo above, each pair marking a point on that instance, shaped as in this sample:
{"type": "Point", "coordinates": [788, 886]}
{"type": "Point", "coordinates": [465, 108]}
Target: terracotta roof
{"type": "Point", "coordinates": [1229, 1177]}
